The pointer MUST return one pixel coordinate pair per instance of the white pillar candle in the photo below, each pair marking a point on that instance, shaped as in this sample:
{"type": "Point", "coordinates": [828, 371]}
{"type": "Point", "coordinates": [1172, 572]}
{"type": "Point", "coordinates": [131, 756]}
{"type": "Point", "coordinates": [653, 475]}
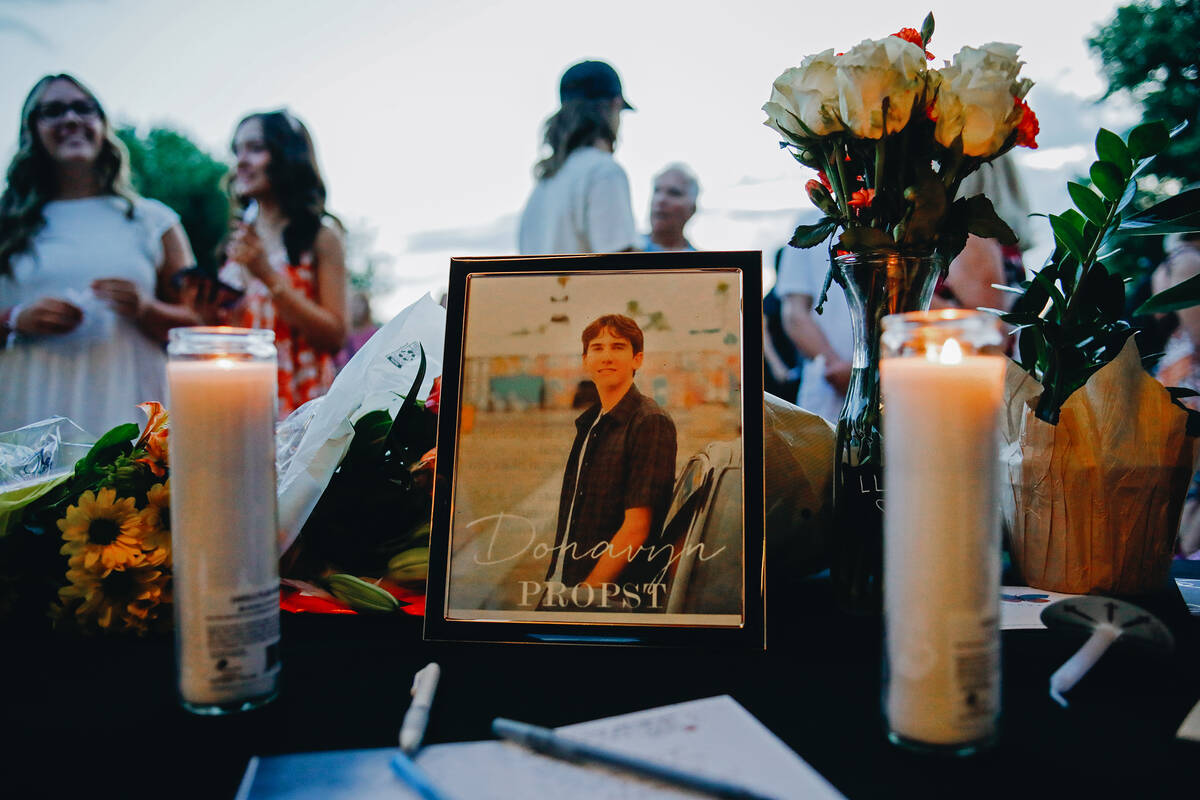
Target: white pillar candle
{"type": "Point", "coordinates": [222, 400]}
{"type": "Point", "coordinates": [941, 579]}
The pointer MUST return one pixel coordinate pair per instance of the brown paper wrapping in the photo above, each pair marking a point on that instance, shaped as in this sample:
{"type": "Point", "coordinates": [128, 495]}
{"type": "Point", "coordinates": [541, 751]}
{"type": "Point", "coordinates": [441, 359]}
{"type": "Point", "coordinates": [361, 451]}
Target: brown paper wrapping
{"type": "Point", "coordinates": [798, 449]}
{"type": "Point", "coordinates": [1093, 503]}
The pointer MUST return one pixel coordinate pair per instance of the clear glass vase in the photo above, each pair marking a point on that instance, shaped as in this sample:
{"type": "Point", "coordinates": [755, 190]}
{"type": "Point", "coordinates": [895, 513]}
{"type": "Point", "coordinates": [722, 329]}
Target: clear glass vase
{"type": "Point", "coordinates": [876, 284]}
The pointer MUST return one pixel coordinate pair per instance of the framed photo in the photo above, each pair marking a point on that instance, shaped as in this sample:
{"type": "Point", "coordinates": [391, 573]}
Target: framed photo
{"type": "Point", "coordinates": [599, 473]}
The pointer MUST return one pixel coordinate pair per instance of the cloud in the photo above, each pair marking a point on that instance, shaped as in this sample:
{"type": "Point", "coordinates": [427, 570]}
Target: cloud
{"type": "Point", "coordinates": [1067, 119]}
{"type": "Point", "coordinates": [495, 237]}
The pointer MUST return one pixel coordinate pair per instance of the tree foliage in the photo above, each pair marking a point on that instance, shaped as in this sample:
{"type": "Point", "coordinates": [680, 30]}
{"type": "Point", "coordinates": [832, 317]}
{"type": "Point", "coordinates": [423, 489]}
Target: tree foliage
{"type": "Point", "coordinates": [169, 167]}
{"type": "Point", "coordinates": [1150, 50]}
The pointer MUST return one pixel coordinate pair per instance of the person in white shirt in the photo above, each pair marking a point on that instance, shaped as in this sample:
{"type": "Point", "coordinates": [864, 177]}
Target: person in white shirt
{"type": "Point", "coordinates": [86, 270]}
{"type": "Point", "coordinates": [581, 201]}
{"type": "Point", "coordinates": [825, 340]}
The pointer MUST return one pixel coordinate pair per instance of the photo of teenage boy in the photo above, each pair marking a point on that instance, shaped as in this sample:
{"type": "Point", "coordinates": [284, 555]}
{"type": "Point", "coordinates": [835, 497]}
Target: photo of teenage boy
{"type": "Point", "coordinates": [618, 480]}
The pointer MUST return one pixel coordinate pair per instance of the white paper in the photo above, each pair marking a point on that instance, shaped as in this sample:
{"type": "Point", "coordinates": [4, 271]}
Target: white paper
{"type": "Point", "coordinates": [714, 737]}
{"type": "Point", "coordinates": [1190, 729]}
{"type": "Point", "coordinates": [1021, 606]}
{"type": "Point", "coordinates": [376, 377]}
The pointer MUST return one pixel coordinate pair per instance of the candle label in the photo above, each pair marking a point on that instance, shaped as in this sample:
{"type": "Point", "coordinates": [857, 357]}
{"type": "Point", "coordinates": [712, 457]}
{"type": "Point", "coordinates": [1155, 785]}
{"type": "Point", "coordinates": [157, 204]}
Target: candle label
{"type": "Point", "coordinates": [974, 665]}
{"type": "Point", "coordinates": [236, 637]}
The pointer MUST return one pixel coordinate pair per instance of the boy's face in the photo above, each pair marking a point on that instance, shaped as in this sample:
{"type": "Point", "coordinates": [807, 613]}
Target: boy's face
{"type": "Point", "coordinates": [610, 360]}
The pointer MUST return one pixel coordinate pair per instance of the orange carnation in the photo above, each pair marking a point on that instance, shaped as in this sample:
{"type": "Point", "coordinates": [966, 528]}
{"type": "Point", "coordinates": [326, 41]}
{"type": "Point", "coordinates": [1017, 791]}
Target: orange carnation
{"type": "Point", "coordinates": [862, 198]}
{"type": "Point", "coordinates": [914, 36]}
{"type": "Point", "coordinates": [1028, 128]}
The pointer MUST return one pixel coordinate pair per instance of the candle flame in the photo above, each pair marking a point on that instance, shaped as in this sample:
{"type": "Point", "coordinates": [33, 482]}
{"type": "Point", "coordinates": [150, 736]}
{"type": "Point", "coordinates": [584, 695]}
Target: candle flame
{"type": "Point", "coordinates": [951, 352]}
{"type": "Point", "coordinates": [223, 363]}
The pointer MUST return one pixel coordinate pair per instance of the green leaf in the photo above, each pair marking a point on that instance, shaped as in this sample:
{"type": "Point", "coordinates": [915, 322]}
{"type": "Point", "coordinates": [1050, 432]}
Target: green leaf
{"type": "Point", "coordinates": [1177, 214]}
{"type": "Point", "coordinates": [858, 240]}
{"type": "Point", "coordinates": [118, 435]}
{"type": "Point", "coordinates": [119, 438]}
{"type": "Point", "coordinates": [928, 197]}
{"type": "Point", "coordinates": [986, 223]}
{"type": "Point", "coordinates": [1030, 345]}
{"type": "Point", "coordinates": [812, 235]}
{"type": "Point", "coordinates": [1020, 318]}
{"type": "Point", "coordinates": [1108, 179]}
{"type": "Point", "coordinates": [396, 443]}
{"type": "Point", "coordinates": [927, 29]}
{"type": "Point", "coordinates": [1045, 280]}
{"type": "Point", "coordinates": [1067, 235]}
{"type": "Point", "coordinates": [1184, 294]}
{"type": "Point", "coordinates": [1088, 202]}
{"type": "Point", "coordinates": [369, 442]}
{"type": "Point", "coordinates": [1127, 198]}
{"type": "Point", "coordinates": [1148, 139]}
{"type": "Point", "coordinates": [1112, 150]}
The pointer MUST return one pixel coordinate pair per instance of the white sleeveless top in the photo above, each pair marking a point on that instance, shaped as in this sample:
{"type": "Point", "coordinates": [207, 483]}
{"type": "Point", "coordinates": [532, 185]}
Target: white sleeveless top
{"type": "Point", "coordinates": [98, 373]}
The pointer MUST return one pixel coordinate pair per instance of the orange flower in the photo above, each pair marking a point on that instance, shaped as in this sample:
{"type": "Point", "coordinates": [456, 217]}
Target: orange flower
{"type": "Point", "coordinates": [157, 420]}
{"type": "Point", "coordinates": [824, 179]}
{"type": "Point", "coordinates": [154, 438]}
{"type": "Point", "coordinates": [1028, 128]}
{"type": "Point", "coordinates": [862, 198]}
{"type": "Point", "coordinates": [914, 36]}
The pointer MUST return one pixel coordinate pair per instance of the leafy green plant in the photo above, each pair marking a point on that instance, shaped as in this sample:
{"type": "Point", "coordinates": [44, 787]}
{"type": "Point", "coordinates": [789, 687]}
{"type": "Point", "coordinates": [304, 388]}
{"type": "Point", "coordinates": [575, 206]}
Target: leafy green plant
{"type": "Point", "coordinates": [1070, 315]}
{"type": "Point", "coordinates": [378, 501]}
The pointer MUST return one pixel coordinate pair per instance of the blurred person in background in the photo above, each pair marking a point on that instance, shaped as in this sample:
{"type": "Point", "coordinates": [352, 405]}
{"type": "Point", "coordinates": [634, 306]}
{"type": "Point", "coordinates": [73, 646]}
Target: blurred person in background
{"type": "Point", "coordinates": [362, 327]}
{"type": "Point", "coordinates": [288, 254]}
{"type": "Point", "coordinates": [86, 266]}
{"type": "Point", "coordinates": [581, 201]}
{"type": "Point", "coordinates": [970, 279]}
{"type": "Point", "coordinates": [672, 204]}
{"type": "Point", "coordinates": [825, 341]}
{"type": "Point", "coordinates": [781, 360]}
{"type": "Point", "coordinates": [1180, 364]}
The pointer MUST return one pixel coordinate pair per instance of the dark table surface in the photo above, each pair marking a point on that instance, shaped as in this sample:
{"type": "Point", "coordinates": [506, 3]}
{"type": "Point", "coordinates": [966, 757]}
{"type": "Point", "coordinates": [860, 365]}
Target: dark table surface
{"type": "Point", "coordinates": [95, 717]}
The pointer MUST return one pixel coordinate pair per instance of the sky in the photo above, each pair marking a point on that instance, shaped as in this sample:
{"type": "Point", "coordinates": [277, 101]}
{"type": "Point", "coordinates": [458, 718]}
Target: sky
{"type": "Point", "coordinates": [427, 116]}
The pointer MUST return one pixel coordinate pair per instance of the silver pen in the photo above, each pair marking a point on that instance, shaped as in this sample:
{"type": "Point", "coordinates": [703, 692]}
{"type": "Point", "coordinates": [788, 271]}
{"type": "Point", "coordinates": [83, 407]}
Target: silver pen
{"type": "Point", "coordinates": [412, 729]}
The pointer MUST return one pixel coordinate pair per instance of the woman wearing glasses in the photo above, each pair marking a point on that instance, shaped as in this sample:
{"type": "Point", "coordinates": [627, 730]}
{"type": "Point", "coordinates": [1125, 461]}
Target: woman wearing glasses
{"type": "Point", "coordinates": [286, 250]}
{"type": "Point", "coordinates": [85, 270]}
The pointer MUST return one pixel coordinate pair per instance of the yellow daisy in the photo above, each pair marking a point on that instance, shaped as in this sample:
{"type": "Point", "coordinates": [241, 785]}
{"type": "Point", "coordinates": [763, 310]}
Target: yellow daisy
{"type": "Point", "coordinates": [104, 531]}
{"type": "Point", "coordinates": [130, 599]}
{"type": "Point", "coordinates": [156, 522]}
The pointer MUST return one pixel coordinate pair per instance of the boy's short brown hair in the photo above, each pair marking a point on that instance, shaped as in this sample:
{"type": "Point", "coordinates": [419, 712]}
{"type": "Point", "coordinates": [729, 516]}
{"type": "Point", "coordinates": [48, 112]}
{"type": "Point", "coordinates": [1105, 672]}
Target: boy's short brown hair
{"type": "Point", "coordinates": [620, 325]}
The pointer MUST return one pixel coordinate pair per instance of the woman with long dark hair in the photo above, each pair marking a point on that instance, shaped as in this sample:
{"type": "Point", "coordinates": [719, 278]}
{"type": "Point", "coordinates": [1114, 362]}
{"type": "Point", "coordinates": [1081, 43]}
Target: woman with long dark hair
{"type": "Point", "coordinates": [86, 264]}
{"type": "Point", "coordinates": [581, 201]}
{"type": "Point", "coordinates": [289, 253]}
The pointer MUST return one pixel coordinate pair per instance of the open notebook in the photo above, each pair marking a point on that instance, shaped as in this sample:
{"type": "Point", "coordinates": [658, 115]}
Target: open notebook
{"type": "Point", "coordinates": [714, 736]}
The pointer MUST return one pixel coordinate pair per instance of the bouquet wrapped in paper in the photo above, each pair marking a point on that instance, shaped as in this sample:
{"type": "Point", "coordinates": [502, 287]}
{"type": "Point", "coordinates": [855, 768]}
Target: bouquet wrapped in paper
{"type": "Point", "coordinates": [1093, 503]}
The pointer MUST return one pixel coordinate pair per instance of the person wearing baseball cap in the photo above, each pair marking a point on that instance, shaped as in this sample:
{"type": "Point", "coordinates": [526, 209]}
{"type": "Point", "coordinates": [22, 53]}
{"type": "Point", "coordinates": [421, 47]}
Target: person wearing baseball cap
{"type": "Point", "coordinates": [581, 201]}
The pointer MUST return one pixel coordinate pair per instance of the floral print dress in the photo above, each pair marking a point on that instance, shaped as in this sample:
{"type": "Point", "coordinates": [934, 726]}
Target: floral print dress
{"type": "Point", "coordinates": [304, 371]}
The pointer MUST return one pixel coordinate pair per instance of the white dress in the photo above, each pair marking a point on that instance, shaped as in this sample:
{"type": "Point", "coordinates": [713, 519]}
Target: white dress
{"type": "Point", "coordinates": [582, 208]}
{"type": "Point", "coordinates": [98, 373]}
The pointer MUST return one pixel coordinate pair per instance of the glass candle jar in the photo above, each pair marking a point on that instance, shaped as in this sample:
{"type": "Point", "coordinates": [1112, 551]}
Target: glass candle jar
{"type": "Point", "coordinates": [942, 377]}
{"type": "Point", "coordinates": [221, 389]}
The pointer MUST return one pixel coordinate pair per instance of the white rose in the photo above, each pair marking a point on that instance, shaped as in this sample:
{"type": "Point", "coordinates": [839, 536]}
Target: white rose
{"type": "Point", "coordinates": [977, 98]}
{"type": "Point", "coordinates": [807, 93]}
{"type": "Point", "coordinates": [875, 70]}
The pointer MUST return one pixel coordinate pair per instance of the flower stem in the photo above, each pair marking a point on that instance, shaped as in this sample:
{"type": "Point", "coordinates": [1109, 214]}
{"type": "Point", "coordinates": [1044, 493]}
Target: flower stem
{"type": "Point", "coordinates": [842, 198]}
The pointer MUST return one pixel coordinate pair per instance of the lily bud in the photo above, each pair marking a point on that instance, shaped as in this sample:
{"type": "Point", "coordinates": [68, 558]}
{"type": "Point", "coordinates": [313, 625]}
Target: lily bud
{"type": "Point", "coordinates": [820, 196]}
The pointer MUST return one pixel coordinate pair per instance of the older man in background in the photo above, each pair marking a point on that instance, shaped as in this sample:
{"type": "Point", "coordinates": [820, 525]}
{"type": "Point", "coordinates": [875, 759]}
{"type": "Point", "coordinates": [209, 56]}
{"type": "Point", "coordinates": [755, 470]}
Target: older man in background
{"type": "Point", "coordinates": [671, 206]}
